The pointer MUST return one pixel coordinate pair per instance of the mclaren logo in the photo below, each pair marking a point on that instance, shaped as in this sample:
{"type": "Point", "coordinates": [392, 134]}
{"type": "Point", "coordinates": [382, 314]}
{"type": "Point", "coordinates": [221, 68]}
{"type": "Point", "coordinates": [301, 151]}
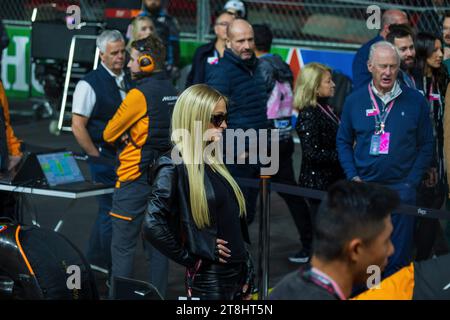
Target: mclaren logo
{"type": "Point", "coordinates": [169, 98]}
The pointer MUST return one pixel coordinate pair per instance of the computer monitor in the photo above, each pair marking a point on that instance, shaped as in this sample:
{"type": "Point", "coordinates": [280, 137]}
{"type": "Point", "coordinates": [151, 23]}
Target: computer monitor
{"type": "Point", "coordinates": [60, 168]}
{"type": "Point", "coordinates": [51, 40]}
{"type": "Point", "coordinates": [26, 172]}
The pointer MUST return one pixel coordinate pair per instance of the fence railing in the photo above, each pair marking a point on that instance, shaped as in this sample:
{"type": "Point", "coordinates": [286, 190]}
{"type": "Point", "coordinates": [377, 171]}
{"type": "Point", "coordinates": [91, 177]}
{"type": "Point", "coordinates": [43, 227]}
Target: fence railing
{"type": "Point", "coordinates": [340, 23]}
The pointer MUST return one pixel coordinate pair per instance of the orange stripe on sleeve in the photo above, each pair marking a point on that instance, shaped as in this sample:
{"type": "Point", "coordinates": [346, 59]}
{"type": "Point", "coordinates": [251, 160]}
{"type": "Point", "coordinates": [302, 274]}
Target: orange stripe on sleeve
{"type": "Point", "coordinates": [133, 107]}
{"type": "Point", "coordinates": [22, 253]}
{"type": "Point", "coordinates": [119, 216]}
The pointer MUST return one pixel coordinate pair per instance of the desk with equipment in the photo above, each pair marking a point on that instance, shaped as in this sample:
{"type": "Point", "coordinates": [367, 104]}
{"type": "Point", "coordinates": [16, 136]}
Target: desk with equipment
{"type": "Point", "coordinates": [50, 174]}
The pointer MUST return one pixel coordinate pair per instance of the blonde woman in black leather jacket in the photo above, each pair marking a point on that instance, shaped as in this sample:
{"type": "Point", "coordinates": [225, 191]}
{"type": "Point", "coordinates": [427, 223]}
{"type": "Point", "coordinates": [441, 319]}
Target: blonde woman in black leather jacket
{"type": "Point", "coordinates": [196, 211]}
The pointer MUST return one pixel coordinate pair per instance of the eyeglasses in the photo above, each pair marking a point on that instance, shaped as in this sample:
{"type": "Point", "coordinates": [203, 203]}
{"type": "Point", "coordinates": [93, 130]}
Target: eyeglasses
{"type": "Point", "coordinates": [218, 119]}
{"type": "Point", "coordinates": [223, 24]}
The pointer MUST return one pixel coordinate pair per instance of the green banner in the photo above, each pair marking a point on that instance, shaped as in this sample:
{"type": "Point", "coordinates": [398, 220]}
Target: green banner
{"type": "Point", "coordinates": [188, 48]}
{"type": "Point", "coordinates": [16, 67]}
{"type": "Point", "coordinates": [17, 73]}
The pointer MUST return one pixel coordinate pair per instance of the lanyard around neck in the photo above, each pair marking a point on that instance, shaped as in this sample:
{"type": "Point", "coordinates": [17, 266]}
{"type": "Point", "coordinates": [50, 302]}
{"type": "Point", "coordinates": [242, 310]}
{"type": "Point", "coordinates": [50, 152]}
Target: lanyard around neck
{"type": "Point", "coordinates": [380, 118]}
{"type": "Point", "coordinates": [329, 113]}
{"type": "Point", "coordinates": [431, 98]}
{"type": "Point", "coordinates": [323, 281]}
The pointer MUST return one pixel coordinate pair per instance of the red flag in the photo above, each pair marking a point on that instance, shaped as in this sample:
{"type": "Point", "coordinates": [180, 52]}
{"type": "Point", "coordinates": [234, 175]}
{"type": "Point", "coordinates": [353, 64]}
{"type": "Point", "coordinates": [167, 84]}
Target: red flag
{"type": "Point", "coordinates": [295, 61]}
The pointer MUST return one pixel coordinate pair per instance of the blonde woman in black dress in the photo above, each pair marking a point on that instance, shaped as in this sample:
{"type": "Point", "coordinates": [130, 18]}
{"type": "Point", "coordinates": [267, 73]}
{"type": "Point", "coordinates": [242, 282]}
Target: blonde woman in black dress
{"type": "Point", "coordinates": [316, 127]}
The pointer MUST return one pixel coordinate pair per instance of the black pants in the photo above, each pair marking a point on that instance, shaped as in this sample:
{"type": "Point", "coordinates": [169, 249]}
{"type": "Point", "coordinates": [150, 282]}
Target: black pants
{"type": "Point", "coordinates": [429, 238]}
{"type": "Point", "coordinates": [219, 281]}
{"type": "Point", "coordinates": [428, 233]}
{"type": "Point", "coordinates": [298, 207]}
{"type": "Point", "coordinates": [247, 171]}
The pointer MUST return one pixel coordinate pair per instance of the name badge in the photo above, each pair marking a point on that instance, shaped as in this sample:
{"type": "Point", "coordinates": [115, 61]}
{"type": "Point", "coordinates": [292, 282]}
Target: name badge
{"type": "Point", "coordinates": [371, 112]}
{"type": "Point", "coordinates": [384, 143]}
{"type": "Point", "coordinates": [213, 60]}
{"type": "Point", "coordinates": [435, 97]}
{"type": "Point", "coordinates": [282, 123]}
{"type": "Point", "coordinates": [375, 145]}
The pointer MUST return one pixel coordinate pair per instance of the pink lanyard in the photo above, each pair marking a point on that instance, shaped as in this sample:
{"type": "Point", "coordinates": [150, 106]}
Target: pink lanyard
{"type": "Point", "coordinates": [380, 119]}
{"type": "Point", "coordinates": [330, 114]}
{"type": "Point", "coordinates": [324, 280]}
{"type": "Point", "coordinates": [431, 98]}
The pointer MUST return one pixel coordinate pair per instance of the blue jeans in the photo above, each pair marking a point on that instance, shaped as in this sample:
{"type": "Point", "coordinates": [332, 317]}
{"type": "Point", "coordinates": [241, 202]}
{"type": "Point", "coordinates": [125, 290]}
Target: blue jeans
{"type": "Point", "coordinates": [99, 247]}
{"type": "Point", "coordinates": [403, 235]}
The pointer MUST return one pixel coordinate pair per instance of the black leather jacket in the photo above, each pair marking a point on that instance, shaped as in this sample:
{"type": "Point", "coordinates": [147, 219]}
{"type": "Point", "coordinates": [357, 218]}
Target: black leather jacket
{"type": "Point", "coordinates": [169, 224]}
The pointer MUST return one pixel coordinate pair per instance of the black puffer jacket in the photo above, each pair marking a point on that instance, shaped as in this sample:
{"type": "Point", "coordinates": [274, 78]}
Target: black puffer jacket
{"type": "Point", "coordinates": [238, 81]}
{"type": "Point", "coordinates": [169, 224]}
{"type": "Point", "coordinates": [197, 73]}
{"type": "Point", "coordinates": [272, 68]}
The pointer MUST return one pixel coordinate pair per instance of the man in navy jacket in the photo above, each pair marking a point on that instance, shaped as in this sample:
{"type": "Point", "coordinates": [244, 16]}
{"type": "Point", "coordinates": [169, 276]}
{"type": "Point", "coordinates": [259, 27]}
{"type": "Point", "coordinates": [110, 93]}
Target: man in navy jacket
{"type": "Point", "coordinates": [386, 137]}
{"type": "Point", "coordinates": [208, 55]}
{"type": "Point", "coordinates": [235, 77]}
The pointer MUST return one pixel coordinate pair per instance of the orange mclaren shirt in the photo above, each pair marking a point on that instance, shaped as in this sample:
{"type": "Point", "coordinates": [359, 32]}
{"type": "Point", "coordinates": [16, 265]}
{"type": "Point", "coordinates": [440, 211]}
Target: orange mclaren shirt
{"type": "Point", "coordinates": [11, 140]}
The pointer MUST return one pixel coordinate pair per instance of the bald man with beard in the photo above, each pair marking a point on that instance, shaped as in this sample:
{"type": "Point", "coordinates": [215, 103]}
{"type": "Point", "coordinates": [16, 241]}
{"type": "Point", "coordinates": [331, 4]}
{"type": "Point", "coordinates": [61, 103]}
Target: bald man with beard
{"type": "Point", "coordinates": [235, 77]}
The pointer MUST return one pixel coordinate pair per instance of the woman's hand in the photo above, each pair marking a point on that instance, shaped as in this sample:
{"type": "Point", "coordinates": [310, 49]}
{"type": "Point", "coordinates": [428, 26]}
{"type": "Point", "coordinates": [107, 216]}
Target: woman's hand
{"type": "Point", "coordinates": [223, 252]}
{"type": "Point", "coordinates": [247, 295]}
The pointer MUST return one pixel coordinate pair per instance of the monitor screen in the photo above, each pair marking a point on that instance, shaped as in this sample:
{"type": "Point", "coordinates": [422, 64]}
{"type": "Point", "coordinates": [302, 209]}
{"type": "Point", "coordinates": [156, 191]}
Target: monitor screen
{"type": "Point", "coordinates": [60, 168]}
{"type": "Point", "coordinates": [50, 40]}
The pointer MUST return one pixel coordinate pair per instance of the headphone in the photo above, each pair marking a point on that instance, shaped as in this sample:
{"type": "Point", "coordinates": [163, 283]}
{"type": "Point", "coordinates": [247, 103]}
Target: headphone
{"type": "Point", "coordinates": [146, 61]}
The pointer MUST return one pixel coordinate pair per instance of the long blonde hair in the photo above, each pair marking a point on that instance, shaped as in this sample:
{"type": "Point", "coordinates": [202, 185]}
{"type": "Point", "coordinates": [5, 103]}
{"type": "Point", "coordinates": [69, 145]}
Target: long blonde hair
{"type": "Point", "coordinates": [194, 107]}
{"type": "Point", "coordinates": [308, 84]}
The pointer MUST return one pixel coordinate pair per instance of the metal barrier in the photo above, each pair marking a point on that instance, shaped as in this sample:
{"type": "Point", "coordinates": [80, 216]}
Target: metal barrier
{"type": "Point", "coordinates": [266, 187]}
{"type": "Point", "coordinates": [329, 23]}
{"type": "Point", "coordinates": [318, 23]}
{"type": "Point", "coordinates": [264, 238]}
{"type": "Point", "coordinates": [318, 194]}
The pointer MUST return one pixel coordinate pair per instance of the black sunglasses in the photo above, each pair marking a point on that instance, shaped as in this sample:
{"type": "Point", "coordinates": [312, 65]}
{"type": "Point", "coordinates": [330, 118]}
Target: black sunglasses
{"type": "Point", "coordinates": [218, 119]}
